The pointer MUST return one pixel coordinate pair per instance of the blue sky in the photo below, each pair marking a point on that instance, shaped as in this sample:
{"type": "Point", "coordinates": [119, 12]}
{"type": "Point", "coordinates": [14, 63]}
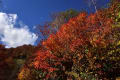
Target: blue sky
{"type": "Point", "coordinates": [34, 12]}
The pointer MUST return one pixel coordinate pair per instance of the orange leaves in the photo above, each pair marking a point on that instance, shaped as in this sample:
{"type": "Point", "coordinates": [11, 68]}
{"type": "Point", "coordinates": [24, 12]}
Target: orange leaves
{"type": "Point", "coordinates": [49, 43]}
{"type": "Point", "coordinates": [80, 41]}
{"type": "Point", "coordinates": [84, 41]}
{"type": "Point", "coordinates": [36, 64]}
{"type": "Point", "coordinates": [92, 19]}
{"type": "Point", "coordinates": [42, 61]}
{"type": "Point", "coordinates": [81, 16]}
{"type": "Point", "coordinates": [79, 30]}
{"type": "Point", "coordinates": [25, 73]}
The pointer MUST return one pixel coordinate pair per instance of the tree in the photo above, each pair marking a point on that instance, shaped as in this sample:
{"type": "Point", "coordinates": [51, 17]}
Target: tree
{"type": "Point", "coordinates": [87, 46]}
{"type": "Point", "coordinates": [12, 60]}
{"type": "Point", "coordinates": [58, 19]}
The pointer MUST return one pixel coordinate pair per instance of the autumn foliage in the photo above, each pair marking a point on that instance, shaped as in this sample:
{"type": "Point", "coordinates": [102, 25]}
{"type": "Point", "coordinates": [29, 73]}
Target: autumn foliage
{"type": "Point", "coordinates": [76, 46]}
{"type": "Point", "coordinates": [86, 46]}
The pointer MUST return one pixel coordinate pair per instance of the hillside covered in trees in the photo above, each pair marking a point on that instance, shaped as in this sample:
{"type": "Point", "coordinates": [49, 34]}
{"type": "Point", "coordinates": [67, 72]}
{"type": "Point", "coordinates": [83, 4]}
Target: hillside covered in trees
{"type": "Point", "coordinates": [76, 46]}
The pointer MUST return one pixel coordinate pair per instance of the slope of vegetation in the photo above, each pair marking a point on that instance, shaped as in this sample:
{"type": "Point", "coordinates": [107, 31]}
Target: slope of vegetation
{"type": "Point", "coordinates": [76, 46]}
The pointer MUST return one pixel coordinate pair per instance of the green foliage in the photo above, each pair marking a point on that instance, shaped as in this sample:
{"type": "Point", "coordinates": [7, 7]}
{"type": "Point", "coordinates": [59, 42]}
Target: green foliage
{"type": "Point", "coordinates": [61, 18]}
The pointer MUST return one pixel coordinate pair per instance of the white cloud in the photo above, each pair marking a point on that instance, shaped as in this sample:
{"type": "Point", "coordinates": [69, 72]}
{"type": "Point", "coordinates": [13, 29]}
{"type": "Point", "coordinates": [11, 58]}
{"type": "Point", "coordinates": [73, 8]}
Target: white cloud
{"type": "Point", "coordinates": [12, 36]}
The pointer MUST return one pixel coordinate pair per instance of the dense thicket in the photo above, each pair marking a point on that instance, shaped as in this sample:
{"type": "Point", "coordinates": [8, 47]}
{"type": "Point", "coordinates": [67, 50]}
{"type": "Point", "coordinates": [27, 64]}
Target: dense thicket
{"type": "Point", "coordinates": [13, 59]}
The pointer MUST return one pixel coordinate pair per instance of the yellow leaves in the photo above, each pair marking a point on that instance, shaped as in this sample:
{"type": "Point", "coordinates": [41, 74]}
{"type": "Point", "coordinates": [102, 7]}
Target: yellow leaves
{"type": "Point", "coordinates": [24, 74]}
{"type": "Point", "coordinates": [20, 61]}
{"type": "Point", "coordinates": [112, 58]}
{"type": "Point", "coordinates": [118, 43]}
{"type": "Point", "coordinates": [116, 25]}
{"type": "Point", "coordinates": [73, 74]}
{"type": "Point", "coordinates": [98, 42]}
{"type": "Point", "coordinates": [103, 57]}
{"type": "Point", "coordinates": [119, 15]}
{"type": "Point", "coordinates": [111, 52]}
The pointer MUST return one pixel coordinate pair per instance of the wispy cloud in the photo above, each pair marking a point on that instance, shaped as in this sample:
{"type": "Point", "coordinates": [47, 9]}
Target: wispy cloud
{"type": "Point", "coordinates": [12, 36]}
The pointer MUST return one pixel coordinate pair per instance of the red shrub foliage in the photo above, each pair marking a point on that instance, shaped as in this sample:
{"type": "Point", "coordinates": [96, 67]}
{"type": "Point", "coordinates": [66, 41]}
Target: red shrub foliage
{"type": "Point", "coordinates": [44, 61]}
{"type": "Point", "coordinates": [83, 44]}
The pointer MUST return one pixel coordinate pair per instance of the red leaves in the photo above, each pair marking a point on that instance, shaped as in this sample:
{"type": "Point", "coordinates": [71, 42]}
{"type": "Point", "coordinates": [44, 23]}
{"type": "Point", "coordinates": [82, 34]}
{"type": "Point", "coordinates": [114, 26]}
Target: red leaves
{"type": "Point", "coordinates": [92, 19]}
{"type": "Point", "coordinates": [40, 60]}
{"type": "Point", "coordinates": [78, 32]}
{"type": "Point", "coordinates": [44, 60]}
{"type": "Point", "coordinates": [78, 41]}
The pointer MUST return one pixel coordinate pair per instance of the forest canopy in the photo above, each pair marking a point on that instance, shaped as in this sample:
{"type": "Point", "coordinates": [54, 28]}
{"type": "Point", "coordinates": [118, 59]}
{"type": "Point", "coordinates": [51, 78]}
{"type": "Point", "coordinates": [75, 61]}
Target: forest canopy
{"type": "Point", "coordinates": [76, 46]}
